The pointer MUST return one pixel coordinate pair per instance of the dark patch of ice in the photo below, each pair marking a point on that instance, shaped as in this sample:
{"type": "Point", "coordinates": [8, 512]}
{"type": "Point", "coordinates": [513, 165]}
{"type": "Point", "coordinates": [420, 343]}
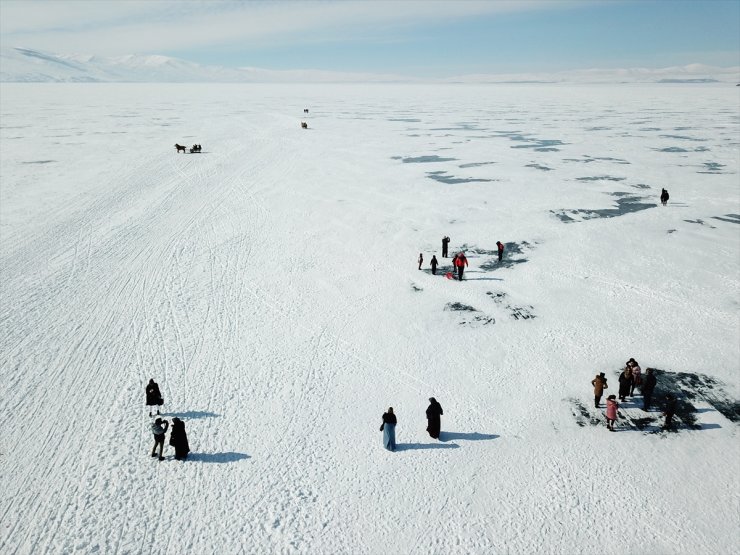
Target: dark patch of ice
{"type": "Point", "coordinates": [539, 167]}
{"type": "Point", "coordinates": [475, 164]}
{"type": "Point", "coordinates": [732, 218]}
{"type": "Point", "coordinates": [601, 178]}
{"type": "Point", "coordinates": [39, 162]}
{"type": "Point", "coordinates": [712, 167]}
{"type": "Point", "coordinates": [443, 177]}
{"type": "Point", "coordinates": [459, 307]}
{"type": "Point", "coordinates": [682, 138]}
{"type": "Point", "coordinates": [426, 159]}
{"type": "Point", "coordinates": [700, 222]}
{"type": "Point", "coordinates": [407, 120]}
{"type": "Point", "coordinates": [625, 205]}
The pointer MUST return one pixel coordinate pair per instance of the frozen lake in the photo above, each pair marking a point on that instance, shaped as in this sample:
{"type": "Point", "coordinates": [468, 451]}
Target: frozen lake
{"type": "Point", "coordinates": [270, 286]}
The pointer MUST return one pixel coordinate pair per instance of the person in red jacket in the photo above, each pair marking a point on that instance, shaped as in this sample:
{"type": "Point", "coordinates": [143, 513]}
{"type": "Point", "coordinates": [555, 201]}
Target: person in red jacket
{"type": "Point", "coordinates": [500, 246]}
{"type": "Point", "coordinates": [460, 263]}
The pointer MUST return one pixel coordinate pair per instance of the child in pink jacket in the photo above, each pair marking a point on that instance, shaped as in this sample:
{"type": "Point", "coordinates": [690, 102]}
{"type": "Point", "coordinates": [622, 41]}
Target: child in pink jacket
{"type": "Point", "coordinates": [611, 411]}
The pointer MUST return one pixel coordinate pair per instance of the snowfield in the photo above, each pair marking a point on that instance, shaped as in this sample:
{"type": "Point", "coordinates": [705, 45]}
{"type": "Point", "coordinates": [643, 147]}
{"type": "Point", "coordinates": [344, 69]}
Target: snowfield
{"type": "Point", "coordinates": [270, 286]}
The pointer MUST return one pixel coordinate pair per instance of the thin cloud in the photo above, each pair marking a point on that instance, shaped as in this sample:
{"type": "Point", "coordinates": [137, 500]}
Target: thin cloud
{"type": "Point", "coordinates": [112, 27]}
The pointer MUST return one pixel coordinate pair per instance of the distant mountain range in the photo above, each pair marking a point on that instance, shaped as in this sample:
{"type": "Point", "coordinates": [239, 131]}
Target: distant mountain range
{"type": "Point", "coordinates": [26, 65]}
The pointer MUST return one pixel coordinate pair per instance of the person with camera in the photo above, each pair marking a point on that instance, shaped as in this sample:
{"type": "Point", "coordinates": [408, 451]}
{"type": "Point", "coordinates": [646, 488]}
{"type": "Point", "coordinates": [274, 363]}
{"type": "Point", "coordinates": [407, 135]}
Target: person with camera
{"type": "Point", "coordinates": [159, 429]}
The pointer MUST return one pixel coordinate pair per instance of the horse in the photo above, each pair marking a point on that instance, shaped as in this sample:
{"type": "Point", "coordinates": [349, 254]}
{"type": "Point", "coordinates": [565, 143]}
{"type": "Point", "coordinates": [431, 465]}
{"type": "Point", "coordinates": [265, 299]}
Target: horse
{"type": "Point", "coordinates": [304, 125]}
{"type": "Point", "coordinates": [178, 148]}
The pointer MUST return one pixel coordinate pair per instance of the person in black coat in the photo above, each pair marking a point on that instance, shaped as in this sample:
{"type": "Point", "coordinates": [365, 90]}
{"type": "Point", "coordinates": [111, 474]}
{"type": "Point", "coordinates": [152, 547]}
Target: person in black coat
{"type": "Point", "coordinates": [179, 439]}
{"type": "Point", "coordinates": [669, 411]}
{"type": "Point", "coordinates": [664, 197]}
{"type": "Point", "coordinates": [153, 396]}
{"type": "Point", "coordinates": [433, 264]}
{"type": "Point", "coordinates": [648, 386]}
{"type": "Point", "coordinates": [434, 411]}
{"type": "Point", "coordinates": [445, 243]}
{"type": "Point", "coordinates": [625, 383]}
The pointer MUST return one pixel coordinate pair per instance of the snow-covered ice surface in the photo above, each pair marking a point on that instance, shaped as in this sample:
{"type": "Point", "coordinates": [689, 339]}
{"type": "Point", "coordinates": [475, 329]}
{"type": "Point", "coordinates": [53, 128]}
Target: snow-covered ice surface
{"type": "Point", "coordinates": [270, 286]}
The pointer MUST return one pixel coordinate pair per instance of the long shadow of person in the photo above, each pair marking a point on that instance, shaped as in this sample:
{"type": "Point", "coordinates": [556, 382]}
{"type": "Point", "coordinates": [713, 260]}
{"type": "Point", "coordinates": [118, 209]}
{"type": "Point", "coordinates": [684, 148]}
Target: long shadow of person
{"type": "Point", "coordinates": [474, 436]}
{"type": "Point", "coordinates": [414, 446]}
{"type": "Point", "coordinates": [218, 457]}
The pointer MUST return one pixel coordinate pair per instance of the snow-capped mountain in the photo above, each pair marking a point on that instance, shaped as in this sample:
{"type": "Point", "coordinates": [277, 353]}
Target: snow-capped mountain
{"type": "Point", "coordinates": [27, 65]}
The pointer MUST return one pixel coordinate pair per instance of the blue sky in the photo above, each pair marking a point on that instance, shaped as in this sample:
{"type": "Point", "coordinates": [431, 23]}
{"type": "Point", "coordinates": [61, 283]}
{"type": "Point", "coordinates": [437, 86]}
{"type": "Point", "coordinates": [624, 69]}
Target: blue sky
{"type": "Point", "coordinates": [430, 38]}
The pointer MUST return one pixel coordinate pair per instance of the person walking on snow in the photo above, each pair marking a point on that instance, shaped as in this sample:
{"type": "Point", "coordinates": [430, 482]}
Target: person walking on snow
{"type": "Point", "coordinates": [500, 246]}
{"type": "Point", "coordinates": [153, 396]}
{"type": "Point", "coordinates": [159, 429]}
{"type": "Point", "coordinates": [664, 197]}
{"type": "Point", "coordinates": [388, 427]}
{"type": "Point", "coordinates": [599, 383]}
{"type": "Point", "coordinates": [445, 242]}
{"type": "Point", "coordinates": [460, 262]}
{"type": "Point", "coordinates": [433, 264]}
{"type": "Point", "coordinates": [179, 439]}
{"type": "Point", "coordinates": [434, 422]}
{"type": "Point", "coordinates": [611, 412]}
{"type": "Point", "coordinates": [421, 259]}
{"type": "Point", "coordinates": [648, 386]}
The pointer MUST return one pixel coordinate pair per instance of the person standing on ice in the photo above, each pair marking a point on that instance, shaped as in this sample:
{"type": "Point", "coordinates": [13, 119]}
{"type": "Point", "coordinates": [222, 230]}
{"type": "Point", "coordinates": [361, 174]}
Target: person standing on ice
{"type": "Point", "coordinates": [611, 412]}
{"type": "Point", "coordinates": [421, 259]}
{"type": "Point", "coordinates": [159, 429]}
{"type": "Point", "coordinates": [625, 383]}
{"type": "Point", "coordinates": [648, 386]}
{"type": "Point", "coordinates": [599, 383]}
{"type": "Point", "coordinates": [664, 197]}
{"type": "Point", "coordinates": [433, 264]}
{"type": "Point", "coordinates": [460, 263]}
{"type": "Point", "coordinates": [434, 422]}
{"type": "Point", "coordinates": [179, 439]}
{"type": "Point", "coordinates": [388, 427]}
{"type": "Point", "coordinates": [500, 246]}
{"type": "Point", "coordinates": [445, 242]}
{"type": "Point", "coordinates": [669, 411]}
{"type": "Point", "coordinates": [636, 375]}
{"type": "Point", "coordinates": [153, 396]}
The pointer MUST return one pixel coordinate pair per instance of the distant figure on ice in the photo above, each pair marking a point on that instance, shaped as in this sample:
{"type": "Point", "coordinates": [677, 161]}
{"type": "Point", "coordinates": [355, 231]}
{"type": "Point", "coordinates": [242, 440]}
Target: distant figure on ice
{"type": "Point", "coordinates": [159, 428]}
{"type": "Point", "coordinates": [179, 439]}
{"type": "Point", "coordinates": [153, 396]}
{"type": "Point", "coordinates": [460, 263]}
{"type": "Point", "coordinates": [611, 412]}
{"type": "Point", "coordinates": [433, 264]}
{"type": "Point", "coordinates": [625, 383]}
{"type": "Point", "coordinates": [434, 422]}
{"type": "Point", "coordinates": [599, 383]}
{"type": "Point", "coordinates": [500, 246]}
{"type": "Point", "coordinates": [388, 427]}
{"type": "Point", "coordinates": [648, 386]}
{"type": "Point", "coordinates": [421, 259]}
{"type": "Point", "coordinates": [445, 242]}
{"type": "Point", "coordinates": [669, 411]}
{"type": "Point", "coordinates": [636, 375]}
{"type": "Point", "coordinates": [664, 197]}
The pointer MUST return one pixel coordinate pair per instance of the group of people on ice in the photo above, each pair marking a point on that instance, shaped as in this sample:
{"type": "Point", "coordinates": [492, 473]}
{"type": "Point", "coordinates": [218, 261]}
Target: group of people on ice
{"type": "Point", "coordinates": [629, 379]}
{"type": "Point", "coordinates": [459, 261]}
{"type": "Point", "coordinates": [178, 437]}
{"type": "Point", "coordinates": [434, 424]}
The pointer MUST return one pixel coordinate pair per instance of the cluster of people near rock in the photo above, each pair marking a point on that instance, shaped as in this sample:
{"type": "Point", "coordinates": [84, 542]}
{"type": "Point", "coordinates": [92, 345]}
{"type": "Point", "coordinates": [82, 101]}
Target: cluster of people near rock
{"type": "Point", "coordinates": [629, 379]}
{"type": "Point", "coordinates": [459, 261]}
{"type": "Point", "coordinates": [434, 424]}
{"type": "Point", "coordinates": [178, 436]}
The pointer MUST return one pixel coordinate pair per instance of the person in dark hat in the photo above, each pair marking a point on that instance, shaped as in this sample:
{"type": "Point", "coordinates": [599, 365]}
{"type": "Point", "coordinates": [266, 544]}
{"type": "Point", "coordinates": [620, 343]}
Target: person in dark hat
{"type": "Point", "coordinates": [434, 423]}
{"type": "Point", "coordinates": [433, 264]}
{"type": "Point", "coordinates": [153, 396]}
{"type": "Point", "coordinates": [445, 243]}
{"type": "Point", "coordinates": [599, 383]}
{"type": "Point", "coordinates": [179, 439]}
{"type": "Point", "coordinates": [500, 247]}
{"type": "Point", "coordinates": [159, 429]}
